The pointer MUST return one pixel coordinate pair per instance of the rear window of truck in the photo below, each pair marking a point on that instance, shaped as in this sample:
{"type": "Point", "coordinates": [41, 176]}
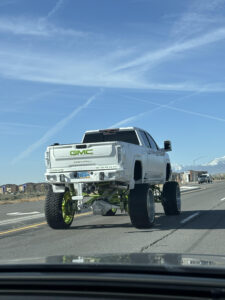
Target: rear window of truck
{"type": "Point", "coordinates": [128, 136]}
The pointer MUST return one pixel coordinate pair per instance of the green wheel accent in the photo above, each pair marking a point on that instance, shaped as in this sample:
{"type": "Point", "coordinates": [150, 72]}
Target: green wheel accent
{"type": "Point", "coordinates": [59, 209]}
{"type": "Point", "coordinates": [67, 208]}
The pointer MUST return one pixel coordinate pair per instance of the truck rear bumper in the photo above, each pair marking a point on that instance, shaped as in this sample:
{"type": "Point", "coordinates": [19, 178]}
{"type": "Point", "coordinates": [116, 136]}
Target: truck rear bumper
{"type": "Point", "coordinates": [86, 176]}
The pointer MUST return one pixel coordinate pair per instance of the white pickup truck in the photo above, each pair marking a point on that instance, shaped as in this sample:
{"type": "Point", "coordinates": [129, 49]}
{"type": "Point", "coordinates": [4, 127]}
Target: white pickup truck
{"type": "Point", "coordinates": [111, 169]}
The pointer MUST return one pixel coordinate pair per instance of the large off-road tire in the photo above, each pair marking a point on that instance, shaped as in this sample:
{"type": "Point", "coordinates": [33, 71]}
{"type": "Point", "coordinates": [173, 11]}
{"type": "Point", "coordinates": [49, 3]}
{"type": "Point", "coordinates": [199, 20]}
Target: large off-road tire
{"type": "Point", "coordinates": [110, 212]}
{"type": "Point", "coordinates": [59, 211]}
{"type": "Point", "coordinates": [141, 206]}
{"type": "Point", "coordinates": [171, 199]}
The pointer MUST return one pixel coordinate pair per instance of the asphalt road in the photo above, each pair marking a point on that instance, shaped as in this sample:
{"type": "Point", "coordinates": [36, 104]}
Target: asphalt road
{"type": "Point", "coordinates": [199, 229]}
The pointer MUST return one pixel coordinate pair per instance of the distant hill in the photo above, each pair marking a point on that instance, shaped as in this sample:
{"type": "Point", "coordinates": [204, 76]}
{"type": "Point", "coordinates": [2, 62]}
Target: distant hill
{"type": "Point", "coordinates": [29, 188]}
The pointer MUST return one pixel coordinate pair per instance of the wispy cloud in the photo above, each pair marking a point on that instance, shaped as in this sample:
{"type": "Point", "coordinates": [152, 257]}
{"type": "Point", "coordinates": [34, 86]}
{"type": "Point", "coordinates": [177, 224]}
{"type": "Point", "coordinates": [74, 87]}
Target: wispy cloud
{"type": "Point", "coordinates": [39, 26]}
{"type": "Point", "coordinates": [212, 5]}
{"type": "Point", "coordinates": [12, 124]}
{"type": "Point", "coordinates": [81, 70]}
{"type": "Point", "coordinates": [52, 131]}
{"type": "Point", "coordinates": [35, 27]}
{"type": "Point", "coordinates": [99, 69]}
{"type": "Point", "coordinates": [15, 128]}
{"type": "Point", "coordinates": [198, 17]}
{"type": "Point", "coordinates": [7, 2]}
{"type": "Point", "coordinates": [39, 96]}
{"type": "Point", "coordinates": [151, 58]}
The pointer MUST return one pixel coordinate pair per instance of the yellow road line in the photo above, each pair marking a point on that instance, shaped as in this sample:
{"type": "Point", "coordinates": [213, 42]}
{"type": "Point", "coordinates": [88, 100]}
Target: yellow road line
{"type": "Point", "coordinates": [38, 224]}
{"type": "Point", "coordinates": [22, 228]}
{"type": "Point", "coordinates": [84, 214]}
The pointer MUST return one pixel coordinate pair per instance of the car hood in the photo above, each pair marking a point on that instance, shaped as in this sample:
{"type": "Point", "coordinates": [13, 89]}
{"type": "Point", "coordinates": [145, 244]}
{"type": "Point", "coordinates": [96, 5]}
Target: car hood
{"type": "Point", "coordinates": [167, 260]}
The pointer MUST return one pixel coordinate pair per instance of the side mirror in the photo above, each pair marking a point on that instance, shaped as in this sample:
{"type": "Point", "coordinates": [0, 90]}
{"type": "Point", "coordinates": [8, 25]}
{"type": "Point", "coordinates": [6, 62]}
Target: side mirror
{"type": "Point", "coordinates": [167, 146]}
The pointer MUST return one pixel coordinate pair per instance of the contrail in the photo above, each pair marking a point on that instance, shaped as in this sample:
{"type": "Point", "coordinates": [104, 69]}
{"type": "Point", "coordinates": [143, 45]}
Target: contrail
{"type": "Point", "coordinates": [133, 118]}
{"type": "Point", "coordinates": [189, 112]}
{"type": "Point", "coordinates": [55, 8]}
{"type": "Point", "coordinates": [138, 116]}
{"type": "Point", "coordinates": [52, 131]}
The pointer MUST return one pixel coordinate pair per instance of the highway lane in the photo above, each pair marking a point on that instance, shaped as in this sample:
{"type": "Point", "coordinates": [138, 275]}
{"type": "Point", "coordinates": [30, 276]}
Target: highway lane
{"type": "Point", "coordinates": [21, 214]}
{"type": "Point", "coordinates": [199, 229]}
{"type": "Point", "coordinates": [29, 212]}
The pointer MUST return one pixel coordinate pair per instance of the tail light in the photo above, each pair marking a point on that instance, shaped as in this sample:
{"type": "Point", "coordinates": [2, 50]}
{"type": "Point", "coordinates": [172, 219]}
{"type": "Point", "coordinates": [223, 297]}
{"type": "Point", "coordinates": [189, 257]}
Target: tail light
{"type": "Point", "coordinates": [47, 159]}
{"type": "Point", "coordinates": [119, 154]}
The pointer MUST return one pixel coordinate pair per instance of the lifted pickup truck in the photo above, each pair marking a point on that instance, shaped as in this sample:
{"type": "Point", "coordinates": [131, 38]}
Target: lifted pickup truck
{"type": "Point", "coordinates": [111, 169]}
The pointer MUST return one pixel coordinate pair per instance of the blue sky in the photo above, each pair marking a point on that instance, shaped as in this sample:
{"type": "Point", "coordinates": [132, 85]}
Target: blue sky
{"type": "Point", "coordinates": [69, 66]}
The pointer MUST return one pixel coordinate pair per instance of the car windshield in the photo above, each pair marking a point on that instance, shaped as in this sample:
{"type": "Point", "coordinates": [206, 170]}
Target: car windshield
{"type": "Point", "coordinates": [112, 120]}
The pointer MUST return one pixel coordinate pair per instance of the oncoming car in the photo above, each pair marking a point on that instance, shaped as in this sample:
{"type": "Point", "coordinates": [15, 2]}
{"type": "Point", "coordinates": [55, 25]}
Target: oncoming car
{"type": "Point", "coordinates": [205, 178]}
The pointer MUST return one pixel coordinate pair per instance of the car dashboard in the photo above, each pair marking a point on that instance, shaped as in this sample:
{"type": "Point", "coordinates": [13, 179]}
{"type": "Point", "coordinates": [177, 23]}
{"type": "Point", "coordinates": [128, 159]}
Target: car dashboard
{"type": "Point", "coordinates": [109, 282]}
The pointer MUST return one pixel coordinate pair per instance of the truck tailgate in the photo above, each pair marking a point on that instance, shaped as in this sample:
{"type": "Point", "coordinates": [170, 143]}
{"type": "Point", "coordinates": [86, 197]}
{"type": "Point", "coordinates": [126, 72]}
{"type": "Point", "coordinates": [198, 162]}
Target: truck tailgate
{"type": "Point", "coordinates": [90, 156]}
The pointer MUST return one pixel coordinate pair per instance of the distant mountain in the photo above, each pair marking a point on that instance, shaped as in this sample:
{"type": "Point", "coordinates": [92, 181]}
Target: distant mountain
{"type": "Point", "coordinates": [215, 166]}
{"type": "Point", "coordinates": [217, 161]}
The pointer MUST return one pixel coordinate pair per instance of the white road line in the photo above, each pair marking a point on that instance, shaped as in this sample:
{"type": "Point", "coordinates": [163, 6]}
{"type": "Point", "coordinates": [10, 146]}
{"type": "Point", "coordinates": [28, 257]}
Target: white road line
{"type": "Point", "coordinates": [223, 199]}
{"type": "Point", "coordinates": [17, 220]}
{"type": "Point", "coordinates": [189, 218]}
{"type": "Point", "coordinates": [23, 213]}
{"type": "Point", "coordinates": [189, 187]}
{"type": "Point", "coordinates": [41, 259]}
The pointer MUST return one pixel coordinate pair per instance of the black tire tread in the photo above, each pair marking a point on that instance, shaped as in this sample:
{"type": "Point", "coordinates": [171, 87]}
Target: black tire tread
{"type": "Point", "coordinates": [137, 207]}
{"type": "Point", "coordinates": [53, 210]}
{"type": "Point", "coordinates": [169, 200]}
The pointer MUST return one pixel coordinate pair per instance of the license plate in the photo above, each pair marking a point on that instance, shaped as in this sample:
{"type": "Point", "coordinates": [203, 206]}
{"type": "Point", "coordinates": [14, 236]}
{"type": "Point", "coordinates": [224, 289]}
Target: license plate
{"type": "Point", "coordinates": [83, 175]}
